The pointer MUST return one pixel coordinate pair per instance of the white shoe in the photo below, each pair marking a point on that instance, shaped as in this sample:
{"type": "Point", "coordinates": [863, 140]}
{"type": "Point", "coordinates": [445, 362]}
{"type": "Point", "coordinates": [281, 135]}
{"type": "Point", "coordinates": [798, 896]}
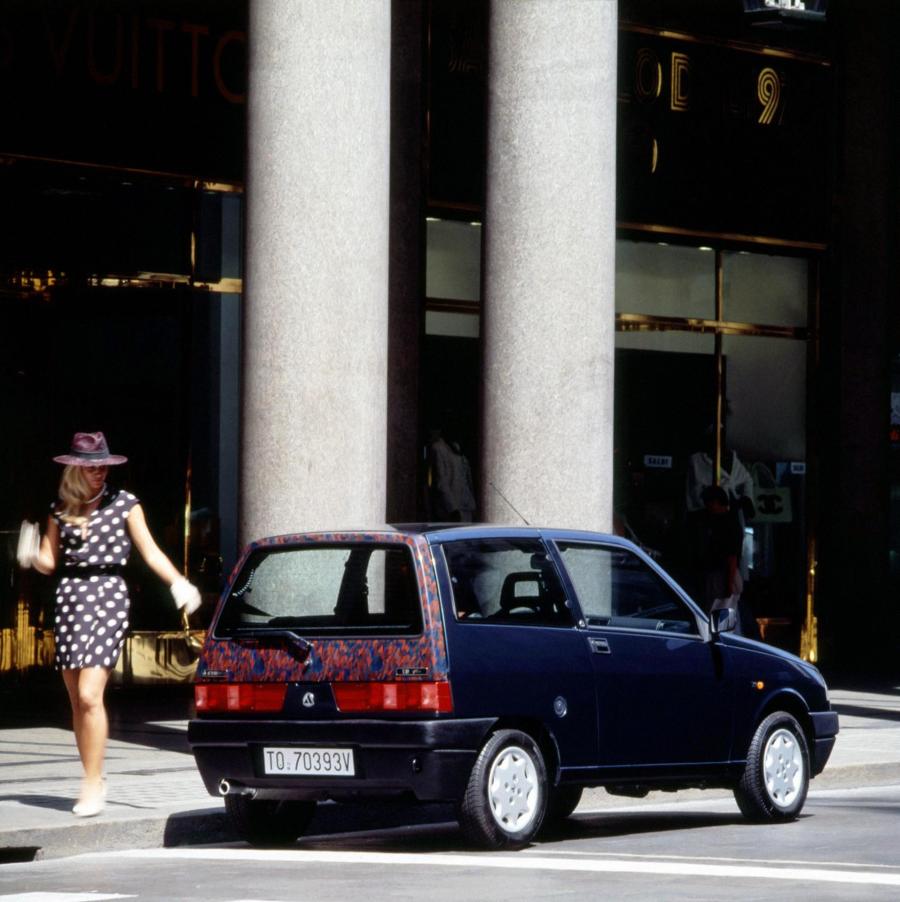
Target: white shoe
{"type": "Point", "coordinates": [93, 805]}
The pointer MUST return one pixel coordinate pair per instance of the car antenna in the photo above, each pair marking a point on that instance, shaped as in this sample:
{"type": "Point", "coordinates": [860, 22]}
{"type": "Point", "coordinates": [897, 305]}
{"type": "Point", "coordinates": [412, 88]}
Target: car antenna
{"type": "Point", "coordinates": [494, 487]}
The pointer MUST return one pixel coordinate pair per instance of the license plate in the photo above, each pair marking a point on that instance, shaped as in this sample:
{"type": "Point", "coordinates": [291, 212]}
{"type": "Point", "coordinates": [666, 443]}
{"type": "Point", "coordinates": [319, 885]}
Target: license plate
{"type": "Point", "coordinates": [314, 762]}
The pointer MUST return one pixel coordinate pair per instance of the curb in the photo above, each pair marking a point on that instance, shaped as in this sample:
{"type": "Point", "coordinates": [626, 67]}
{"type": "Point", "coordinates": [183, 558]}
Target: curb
{"type": "Point", "coordinates": [199, 827]}
{"type": "Point", "coordinates": [98, 835]}
{"type": "Point", "coordinates": [857, 776]}
{"type": "Point", "coordinates": [212, 826]}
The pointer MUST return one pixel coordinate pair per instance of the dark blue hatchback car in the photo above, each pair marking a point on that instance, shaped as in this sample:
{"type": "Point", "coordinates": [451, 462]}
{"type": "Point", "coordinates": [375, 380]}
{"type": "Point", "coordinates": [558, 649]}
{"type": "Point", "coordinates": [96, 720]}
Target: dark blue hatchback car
{"type": "Point", "coordinates": [501, 668]}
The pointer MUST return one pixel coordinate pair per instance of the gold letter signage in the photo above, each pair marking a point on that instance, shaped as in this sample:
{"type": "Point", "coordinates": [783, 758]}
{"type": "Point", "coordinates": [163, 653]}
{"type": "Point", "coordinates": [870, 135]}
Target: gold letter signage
{"type": "Point", "coordinates": [647, 75]}
{"type": "Point", "coordinates": [768, 92]}
{"type": "Point", "coordinates": [681, 68]}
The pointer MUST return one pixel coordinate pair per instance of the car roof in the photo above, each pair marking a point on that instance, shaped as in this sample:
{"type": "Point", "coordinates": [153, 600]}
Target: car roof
{"type": "Point", "coordinates": [443, 532]}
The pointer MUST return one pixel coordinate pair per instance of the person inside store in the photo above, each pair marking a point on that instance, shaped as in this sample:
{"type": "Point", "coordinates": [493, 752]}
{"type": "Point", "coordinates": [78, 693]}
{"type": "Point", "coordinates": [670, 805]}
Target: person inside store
{"type": "Point", "coordinates": [721, 545]}
{"type": "Point", "coordinates": [733, 476]}
{"type": "Point", "coordinates": [440, 476]}
{"type": "Point", "coordinates": [737, 481]}
{"type": "Point", "coordinates": [88, 537]}
{"type": "Point", "coordinates": [465, 490]}
{"type": "Point", "coordinates": [451, 497]}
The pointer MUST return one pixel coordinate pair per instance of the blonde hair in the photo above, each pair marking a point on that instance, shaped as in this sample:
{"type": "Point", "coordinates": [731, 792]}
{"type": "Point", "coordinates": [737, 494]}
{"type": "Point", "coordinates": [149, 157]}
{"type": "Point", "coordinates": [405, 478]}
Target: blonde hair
{"type": "Point", "coordinates": [74, 491]}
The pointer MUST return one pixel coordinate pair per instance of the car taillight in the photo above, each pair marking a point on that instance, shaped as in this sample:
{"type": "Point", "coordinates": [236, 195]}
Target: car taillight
{"type": "Point", "coordinates": [393, 697]}
{"type": "Point", "coordinates": [239, 696]}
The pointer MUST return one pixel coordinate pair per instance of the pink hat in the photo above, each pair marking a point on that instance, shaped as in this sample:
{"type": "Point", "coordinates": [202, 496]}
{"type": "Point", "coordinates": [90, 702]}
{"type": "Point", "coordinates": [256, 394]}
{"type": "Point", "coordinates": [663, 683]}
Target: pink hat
{"type": "Point", "coordinates": [89, 449]}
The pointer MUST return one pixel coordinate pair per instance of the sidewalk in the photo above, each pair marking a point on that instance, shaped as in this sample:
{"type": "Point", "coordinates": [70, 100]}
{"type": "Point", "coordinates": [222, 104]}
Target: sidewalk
{"type": "Point", "coordinates": [156, 797]}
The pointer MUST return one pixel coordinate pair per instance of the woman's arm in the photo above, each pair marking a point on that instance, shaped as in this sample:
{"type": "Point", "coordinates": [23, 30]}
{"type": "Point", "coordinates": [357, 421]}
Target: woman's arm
{"type": "Point", "coordinates": [47, 557]}
{"type": "Point", "coordinates": [185, 594]}
{"type": "Point", "coordinates": [155, 558]}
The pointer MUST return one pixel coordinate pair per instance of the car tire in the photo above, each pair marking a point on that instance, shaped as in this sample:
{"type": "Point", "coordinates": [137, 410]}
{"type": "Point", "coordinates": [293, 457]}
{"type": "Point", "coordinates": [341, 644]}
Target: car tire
{"type": "Point", "coordinates": [269, 822]}
{"type": "Point", "coordinates": [507, 794]}
{"type": "Point", "coordinates": [562, 802]}
{"type": "Point", "coordinates": [776, 777]}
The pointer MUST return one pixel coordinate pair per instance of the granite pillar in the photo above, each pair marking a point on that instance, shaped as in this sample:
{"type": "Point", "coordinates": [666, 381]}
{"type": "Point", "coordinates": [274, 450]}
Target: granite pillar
{"type": "Point", "coordinates": [315, 320]}
{"type": "Point", "coordinates": [549, 263]}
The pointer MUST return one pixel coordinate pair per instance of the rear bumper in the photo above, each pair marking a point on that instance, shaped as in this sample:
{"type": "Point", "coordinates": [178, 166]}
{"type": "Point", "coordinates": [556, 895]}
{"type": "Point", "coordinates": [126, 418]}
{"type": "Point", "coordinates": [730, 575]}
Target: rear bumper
{"type": "Point", "coordinates": [825, 729]}
{"type": "Point", "coordinates": [430, 759]}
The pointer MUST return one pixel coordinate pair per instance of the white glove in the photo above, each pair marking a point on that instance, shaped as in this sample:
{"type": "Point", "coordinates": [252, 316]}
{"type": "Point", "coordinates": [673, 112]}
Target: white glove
{"type": "Point", "coordinates": [186, 595]}
{"type": "Point", "coordinates": [29, 544]}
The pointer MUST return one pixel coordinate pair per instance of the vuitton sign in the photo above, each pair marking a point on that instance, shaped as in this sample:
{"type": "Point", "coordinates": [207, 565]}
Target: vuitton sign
{"type": "Point", "coordinates": [158, 85]}
{"type": "Point", "coordinates": [722, 139]}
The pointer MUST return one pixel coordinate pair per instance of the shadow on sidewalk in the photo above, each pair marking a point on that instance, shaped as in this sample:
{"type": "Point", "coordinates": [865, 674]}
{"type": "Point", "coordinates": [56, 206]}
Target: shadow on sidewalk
{"type": "Point", "coordinates": [56, 803]}
{"type": "Point", "coordinates": [138, 714]}
{"type": "Point", "coordinates": [874, 698]}
{"type": "Point", "coordinates": [869, 713]}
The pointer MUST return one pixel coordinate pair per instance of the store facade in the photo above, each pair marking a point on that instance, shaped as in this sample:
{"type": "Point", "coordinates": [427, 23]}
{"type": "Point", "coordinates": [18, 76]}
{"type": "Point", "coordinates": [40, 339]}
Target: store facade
{"type": "Point", "coordinates": [122, 178]}
{"type": "Point", "coordinates": [728, 252]}
{"type": "Point", "coordinates": [722, 227]}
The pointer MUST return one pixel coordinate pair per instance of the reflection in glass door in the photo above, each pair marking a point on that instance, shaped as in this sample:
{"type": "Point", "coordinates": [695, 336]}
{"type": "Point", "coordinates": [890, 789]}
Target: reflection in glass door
{"type": "Point", "coordinates": [712, 389]}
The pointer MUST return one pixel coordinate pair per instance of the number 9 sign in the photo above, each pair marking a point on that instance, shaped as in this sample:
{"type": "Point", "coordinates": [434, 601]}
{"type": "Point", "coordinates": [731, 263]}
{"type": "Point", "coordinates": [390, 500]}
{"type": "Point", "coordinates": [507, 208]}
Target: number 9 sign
{"type": "Point", "coordinates": [768, 92]}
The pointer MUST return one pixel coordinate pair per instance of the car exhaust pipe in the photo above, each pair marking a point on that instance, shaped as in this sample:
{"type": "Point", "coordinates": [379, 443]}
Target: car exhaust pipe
{"type": "Point", "coordinates": [227, 788]}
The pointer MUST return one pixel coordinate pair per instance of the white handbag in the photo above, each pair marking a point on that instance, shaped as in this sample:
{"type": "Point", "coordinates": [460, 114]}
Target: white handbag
{"type": "Point", "coordinates": [29, 544]}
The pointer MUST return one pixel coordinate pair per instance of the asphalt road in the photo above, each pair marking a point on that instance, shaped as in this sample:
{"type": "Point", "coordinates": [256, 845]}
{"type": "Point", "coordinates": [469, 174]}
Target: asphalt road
{"type": "Point", "coordinates": [845, 847]}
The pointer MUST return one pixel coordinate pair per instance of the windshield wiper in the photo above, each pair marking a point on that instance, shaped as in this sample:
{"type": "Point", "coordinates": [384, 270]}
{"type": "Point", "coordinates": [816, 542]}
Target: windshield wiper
{"type": "Point", "coordinates": [299, 644]}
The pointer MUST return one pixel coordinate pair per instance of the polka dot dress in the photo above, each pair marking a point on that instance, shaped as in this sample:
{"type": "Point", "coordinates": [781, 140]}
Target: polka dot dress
{"type": "Point", "coordinates": [92, 598]}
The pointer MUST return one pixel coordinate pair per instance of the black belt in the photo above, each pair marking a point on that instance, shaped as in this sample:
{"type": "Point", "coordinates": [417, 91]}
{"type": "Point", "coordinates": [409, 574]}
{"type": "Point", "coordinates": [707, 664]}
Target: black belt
{"type": "Point", "coordinates": [93, 570]}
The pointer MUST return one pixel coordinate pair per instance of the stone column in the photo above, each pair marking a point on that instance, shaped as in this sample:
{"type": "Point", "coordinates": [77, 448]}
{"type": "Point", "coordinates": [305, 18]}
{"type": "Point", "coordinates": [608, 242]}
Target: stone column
{"type": "Point", "coordinates": [315, 320]}
{"type": "Point", "coordinates": [549, 263]}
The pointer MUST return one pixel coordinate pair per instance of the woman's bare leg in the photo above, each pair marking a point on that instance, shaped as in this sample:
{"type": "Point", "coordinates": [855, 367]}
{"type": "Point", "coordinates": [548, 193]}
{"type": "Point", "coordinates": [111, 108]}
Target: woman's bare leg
{"type": "Point", "coordinates": [86, 687]}
{"type": "Point", "coordinates": [70, 679]}
{"type": "Point", "coordinates": [94, 723]}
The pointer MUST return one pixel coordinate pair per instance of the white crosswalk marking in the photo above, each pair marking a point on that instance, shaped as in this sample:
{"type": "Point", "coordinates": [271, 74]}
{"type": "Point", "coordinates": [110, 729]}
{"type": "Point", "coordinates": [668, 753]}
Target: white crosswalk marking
{"type": "Point", "coordinates": [62, 897]}
{"type": "Point", "coordinates": [824, 873]}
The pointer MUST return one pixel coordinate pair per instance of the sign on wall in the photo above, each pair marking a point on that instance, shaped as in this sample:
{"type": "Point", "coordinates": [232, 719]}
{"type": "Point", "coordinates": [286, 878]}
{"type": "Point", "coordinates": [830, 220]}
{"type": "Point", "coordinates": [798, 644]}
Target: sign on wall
{"type": "Point", "coordinates": [158, 85]}
{"type": "Point", "coordinates": [724, 139]}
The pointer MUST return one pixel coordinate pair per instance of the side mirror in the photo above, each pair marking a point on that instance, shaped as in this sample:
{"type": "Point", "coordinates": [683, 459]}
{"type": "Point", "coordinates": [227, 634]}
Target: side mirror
{"type": "Point", "coordinates": [722, 620]}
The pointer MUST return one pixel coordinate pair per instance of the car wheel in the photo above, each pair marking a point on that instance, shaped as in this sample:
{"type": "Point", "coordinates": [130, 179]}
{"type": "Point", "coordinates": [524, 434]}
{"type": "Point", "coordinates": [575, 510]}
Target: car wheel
{"type": "Point", "coordinates": [268, 822]}
{"type": "Point", "coordinates": [562, 802]}
{"type": "Point", "coordinates": [776, 778]}
{"type": "Point", "coordinates": [506, 797]}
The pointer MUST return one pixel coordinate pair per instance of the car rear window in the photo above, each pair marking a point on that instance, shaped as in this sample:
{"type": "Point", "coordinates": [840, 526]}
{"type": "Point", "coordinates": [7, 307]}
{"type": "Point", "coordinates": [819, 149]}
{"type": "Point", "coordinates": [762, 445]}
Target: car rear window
{"type": "Point", "coordinates": [325, 589]}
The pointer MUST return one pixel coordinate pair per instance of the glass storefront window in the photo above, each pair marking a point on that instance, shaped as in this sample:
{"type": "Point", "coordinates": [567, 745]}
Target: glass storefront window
{"type": "Point", "coordinates": [765, 389]}
{"type": "Point", "coordinates": [158, 372]}
{"type": "Point", "coordinates": [665, 404]}
{"type": "Point", "coordinates": [670, 341]}
{"type": "Point", "coordinates": [665, 280]}
{"type": "Point", "coordinates": [679, 378]}
{"type": "Point", "coordinates": [764, 288]}
{"type": "Point", "coordinates": [453, 274]}
{"type": "Point", "coordinates": [450, 370]}
{"type": "Point", "coordinates": [232, 236]}
{"type": "Point", "coordinates": [453, 260]}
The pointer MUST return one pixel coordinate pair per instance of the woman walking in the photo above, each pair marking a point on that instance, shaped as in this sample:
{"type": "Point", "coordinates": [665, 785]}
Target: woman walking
{"type": "Point", "coordinates": [89, 535]}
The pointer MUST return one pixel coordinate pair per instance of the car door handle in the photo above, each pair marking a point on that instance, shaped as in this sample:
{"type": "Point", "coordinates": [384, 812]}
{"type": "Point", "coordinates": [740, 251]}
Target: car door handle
{"type": "Point", "coordinates": [599, 646]}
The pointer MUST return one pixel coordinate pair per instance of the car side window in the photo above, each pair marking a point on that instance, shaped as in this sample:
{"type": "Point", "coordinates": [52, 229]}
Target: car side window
{"type": "Point", "coordinates": [505, 581]}
{"type": "Point", "coordinates": [616, 588]}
